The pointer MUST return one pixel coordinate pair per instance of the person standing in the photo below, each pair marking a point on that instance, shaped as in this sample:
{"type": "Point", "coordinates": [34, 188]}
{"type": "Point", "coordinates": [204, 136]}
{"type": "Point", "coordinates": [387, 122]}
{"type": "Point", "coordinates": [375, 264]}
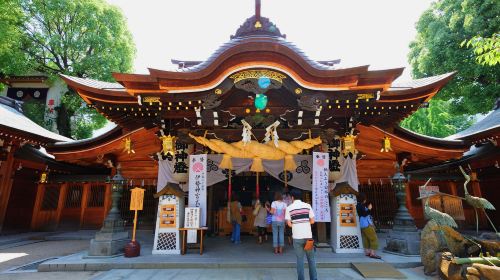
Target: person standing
{"type": "Point", "coordinates": [260, 214]}
{"type": "Point", "coordinates": [370, 239]}
{"type": "Point", "coordinates": [300, 216]}
{"type": "Point", "coordinates": [235, 208]}
{"type": "Point", "coordinates": [287, 199]}
{"type": "Point", "coordinates": [278, 208]}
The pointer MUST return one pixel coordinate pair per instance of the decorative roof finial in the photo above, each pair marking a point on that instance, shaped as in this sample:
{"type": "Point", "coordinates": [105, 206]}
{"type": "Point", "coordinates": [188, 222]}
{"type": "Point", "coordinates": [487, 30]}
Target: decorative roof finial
{"type": "Point", "coordinates": [257, 14]}
{"type": "Point", "coordinates": [257, 10]}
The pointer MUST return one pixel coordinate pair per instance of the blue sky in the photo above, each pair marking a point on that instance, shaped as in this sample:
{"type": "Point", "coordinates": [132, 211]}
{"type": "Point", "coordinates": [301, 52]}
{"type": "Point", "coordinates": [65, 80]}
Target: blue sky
{"type": "Point", "coordinates": [375, 32]}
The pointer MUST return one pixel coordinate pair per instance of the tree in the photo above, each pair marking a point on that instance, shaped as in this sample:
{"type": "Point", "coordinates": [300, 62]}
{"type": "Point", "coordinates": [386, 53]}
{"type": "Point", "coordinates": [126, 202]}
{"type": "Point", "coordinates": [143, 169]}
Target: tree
{"type": "Point", "coordinates": [436, 120]}
{"type": "Point", "coordinates": [84, 38]}
{"type": "Point", "coordinates": [487, 50]}
{"type": "Point", "coordinates": [436, 50]}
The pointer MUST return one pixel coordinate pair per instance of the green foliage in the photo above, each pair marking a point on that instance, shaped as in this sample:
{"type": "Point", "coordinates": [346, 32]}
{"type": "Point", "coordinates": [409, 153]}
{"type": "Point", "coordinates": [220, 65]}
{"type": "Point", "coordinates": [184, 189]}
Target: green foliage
{"type": "Point", "coordinates": [487, 50]}
{"type": "Point", "coordinates": [12, 59]}
{"type": "Point", "coordinates": [84, 38]}
{"type": "Point", "coordinates": [437, 121]}
{"type": "Point", "coordinates": [437, 50]}
{"type": "Point", "coordinates": [35, 111]}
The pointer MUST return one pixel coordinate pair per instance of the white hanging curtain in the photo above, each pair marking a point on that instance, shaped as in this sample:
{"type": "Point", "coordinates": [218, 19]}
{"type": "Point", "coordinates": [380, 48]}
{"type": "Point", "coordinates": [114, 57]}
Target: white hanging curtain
{"type": "Point", "coordinates": [348, 172]}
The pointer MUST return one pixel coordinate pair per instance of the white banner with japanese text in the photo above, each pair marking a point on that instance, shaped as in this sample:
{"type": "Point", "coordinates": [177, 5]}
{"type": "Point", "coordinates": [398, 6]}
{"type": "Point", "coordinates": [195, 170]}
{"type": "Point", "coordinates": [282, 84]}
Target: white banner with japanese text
{"type": "Point", "coordinates": [320, 200]}
{"type": "Point", "coordinates": [198, 185]}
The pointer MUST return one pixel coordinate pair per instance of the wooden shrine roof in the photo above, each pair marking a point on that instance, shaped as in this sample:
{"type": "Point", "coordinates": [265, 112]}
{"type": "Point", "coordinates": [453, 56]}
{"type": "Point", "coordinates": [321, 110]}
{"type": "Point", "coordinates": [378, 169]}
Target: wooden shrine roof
{"type": "Point", "coordinates": [15, 124]}
{"type": "Point", "coordinates": [487, 129]}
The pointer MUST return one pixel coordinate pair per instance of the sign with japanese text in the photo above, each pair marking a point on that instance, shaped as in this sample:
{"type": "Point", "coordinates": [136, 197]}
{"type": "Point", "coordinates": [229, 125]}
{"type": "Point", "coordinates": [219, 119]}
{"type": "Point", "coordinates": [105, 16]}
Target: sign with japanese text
{"type": "Point", "coordinates": [320, 200]}
{"type": "Point", "coordinates": [426, 191]}
{"type": "Point", "coordinates": [198, 185]}
{"type": "Point", "coordinates": [136, 199]}
{"type": "Point", "coordinates": [192, 219]}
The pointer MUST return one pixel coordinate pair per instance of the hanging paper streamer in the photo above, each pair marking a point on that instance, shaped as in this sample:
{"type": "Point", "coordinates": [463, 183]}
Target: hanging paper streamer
{"type": "Point", "coordinates": [320, 200]}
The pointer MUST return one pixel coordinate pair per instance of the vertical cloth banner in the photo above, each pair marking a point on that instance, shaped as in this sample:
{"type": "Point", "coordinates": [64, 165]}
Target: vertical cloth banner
{"type": "Point", "coordinates": [321, 202]}
{"type": "Point", "coordinates": [198, 184]}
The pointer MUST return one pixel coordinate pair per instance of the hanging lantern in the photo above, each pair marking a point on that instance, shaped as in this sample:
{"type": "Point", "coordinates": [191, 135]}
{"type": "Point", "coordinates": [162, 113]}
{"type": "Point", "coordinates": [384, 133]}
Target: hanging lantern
{"type": "Point", "coordinates": [128, 146]}
{"type": "Point", "coordinates": [260, 101]}
{"type": "Point", "coordinates": [349, 145]}
{"type": "Point", "coordinates": [167, 145]}
{"type": "Point", "coordinates": [386, 144]}
{"type": "Point", "coordinates": [334, 176]}
{"type": "Point", "coordinates": [44, 177]}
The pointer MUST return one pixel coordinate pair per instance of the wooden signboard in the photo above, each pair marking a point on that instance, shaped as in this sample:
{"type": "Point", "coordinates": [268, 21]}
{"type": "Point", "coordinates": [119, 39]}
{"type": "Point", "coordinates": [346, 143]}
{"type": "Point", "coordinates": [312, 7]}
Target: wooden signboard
{"type": "Point", "coordinates": [136, 204]}
{"type": "Point", "coordinates": [136, 199]}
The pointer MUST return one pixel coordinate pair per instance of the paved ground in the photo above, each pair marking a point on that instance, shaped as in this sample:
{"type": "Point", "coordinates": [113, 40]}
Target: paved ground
{"type": "Point", "coordinates": [20, 255]}
{"type": "Point", "coordinates": [201, 274]}
{"type": "Point", "coordinates": [22, 252]}
{"type": "Point", "coordinates": [230, 274]}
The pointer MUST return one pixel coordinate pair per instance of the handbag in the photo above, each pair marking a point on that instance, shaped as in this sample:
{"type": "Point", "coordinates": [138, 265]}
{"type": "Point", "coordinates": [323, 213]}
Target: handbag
{"type": "Point", "coordinates": [269, 218]}
{"type": "Point", "coordinates": [309, 245]}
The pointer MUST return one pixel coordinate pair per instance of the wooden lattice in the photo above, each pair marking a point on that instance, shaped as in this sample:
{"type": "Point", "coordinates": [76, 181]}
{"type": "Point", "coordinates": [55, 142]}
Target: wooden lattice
{"type": "Point", "coordinates": [74, 196]}
{"type": "Point", "coordinates": [96, 195]}
{"type": "Point", "coordinates": [50, 198]}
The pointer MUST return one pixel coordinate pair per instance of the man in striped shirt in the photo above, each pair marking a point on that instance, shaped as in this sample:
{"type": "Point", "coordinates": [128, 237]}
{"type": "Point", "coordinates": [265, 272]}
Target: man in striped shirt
{"type": "Point", "coordinates": [300, 216]}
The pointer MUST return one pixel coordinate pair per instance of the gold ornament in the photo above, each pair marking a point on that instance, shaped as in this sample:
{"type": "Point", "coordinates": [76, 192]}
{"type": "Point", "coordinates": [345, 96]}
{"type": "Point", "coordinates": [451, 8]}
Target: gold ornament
{"type": "Point", "coordinates": [299, 91]}
{"type": "Point", "coordinates": [386, 144]}
{"type": "Point", "coordinates": [44, 177]}
{"type": "Point", "coordinates": [151, 99]}
{"type": "Point", "coordinates": [349, 145]}
{"type": "Point", "coordinates": [128, 146]}
{"type": "Point", "coordinates": [256, 74]}
{"type": "Point", "coordinates": [365, 96]}
{"type": "Point", "coordinates": [168, 144]}
{"type": "Point", "coordinates": [258, 24]}
{"type": "Point", "coordinates": [218, 91]}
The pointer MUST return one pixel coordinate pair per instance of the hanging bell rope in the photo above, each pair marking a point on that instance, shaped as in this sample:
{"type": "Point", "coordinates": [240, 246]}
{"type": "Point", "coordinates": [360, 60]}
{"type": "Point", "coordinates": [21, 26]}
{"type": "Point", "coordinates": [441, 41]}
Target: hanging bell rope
{"type": "Point", "coordinates": [257, 167]}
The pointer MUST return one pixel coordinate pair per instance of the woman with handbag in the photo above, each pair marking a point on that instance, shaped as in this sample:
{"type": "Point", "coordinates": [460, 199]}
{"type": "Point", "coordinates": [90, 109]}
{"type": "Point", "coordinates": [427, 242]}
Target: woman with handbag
{"type": "Point", "coordinates": [278, 208]}
{"type": "Point", "coordinates": [260, 214]}
{"type": "Point", "coordinates": [370, 239]}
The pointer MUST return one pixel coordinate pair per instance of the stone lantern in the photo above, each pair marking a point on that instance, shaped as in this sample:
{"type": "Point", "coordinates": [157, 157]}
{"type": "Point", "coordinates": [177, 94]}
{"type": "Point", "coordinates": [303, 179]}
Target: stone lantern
{"type": "Point", "coordinates": [112, 238]}
{"type": "Point", "coordinates": [404, 238]}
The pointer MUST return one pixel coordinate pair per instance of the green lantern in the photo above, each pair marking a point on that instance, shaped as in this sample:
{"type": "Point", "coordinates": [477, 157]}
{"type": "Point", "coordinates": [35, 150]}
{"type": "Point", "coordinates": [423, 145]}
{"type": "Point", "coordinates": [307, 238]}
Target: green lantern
{"type": "Point", "coordinates": [260, 101]}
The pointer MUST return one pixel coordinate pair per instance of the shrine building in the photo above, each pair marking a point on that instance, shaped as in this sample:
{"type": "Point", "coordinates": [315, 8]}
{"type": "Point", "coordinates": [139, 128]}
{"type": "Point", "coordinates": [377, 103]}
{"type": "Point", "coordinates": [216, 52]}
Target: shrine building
{"type": "Point", "coordinates": [257, 88]}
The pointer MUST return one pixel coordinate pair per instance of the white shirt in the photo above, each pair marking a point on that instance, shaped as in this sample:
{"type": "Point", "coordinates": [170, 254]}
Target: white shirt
{"type": "Point", "coordinates": [299, 214]}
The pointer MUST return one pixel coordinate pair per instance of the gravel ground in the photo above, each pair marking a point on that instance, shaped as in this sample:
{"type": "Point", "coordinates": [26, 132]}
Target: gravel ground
{"type": "Point", "coordinates": [17, 256]}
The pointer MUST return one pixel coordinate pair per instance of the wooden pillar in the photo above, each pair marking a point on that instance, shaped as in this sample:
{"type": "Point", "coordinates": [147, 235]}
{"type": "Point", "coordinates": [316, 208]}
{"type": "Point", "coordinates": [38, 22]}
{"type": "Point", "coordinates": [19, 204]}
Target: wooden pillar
{"type": "Point", "coordinates": [210, 207]}
{"type": "Point", "coordinates": [321, 231]}
{"type": "Point", "coordinates": [61, 202]}
{"type": "Point", "coordinates": [36, 209]}
{"type": "Point", "coordinates": [453, 188]}
{"type": "Point", "coordinates": [85, 198]}
{"type": "Point", "coordinates": [6, 174]}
